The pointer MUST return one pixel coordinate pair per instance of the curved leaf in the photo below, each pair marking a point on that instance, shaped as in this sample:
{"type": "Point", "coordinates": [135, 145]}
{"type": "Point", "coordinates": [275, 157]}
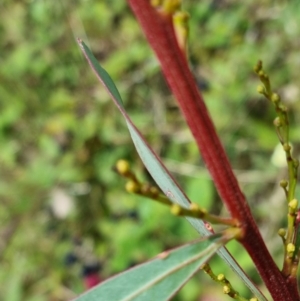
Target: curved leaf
{"type": "Point", "coordinates": [160, 278]}
{"type": "Point", "coordinates": [157, 169]}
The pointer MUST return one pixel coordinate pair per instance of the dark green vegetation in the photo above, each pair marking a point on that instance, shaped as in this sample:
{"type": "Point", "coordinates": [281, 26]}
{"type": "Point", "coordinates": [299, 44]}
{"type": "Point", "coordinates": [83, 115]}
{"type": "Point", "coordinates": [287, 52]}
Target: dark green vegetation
{"type": "Point", "coordinates": [58, 131]}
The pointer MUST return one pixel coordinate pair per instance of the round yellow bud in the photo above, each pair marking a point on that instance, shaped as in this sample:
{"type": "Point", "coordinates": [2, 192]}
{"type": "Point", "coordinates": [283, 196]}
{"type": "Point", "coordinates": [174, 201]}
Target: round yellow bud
{"type": "Point", "coordinates": [154, 191]}
{"type": "Point", "coordinates": [194, 207]}
{"type": "Point", "coordinates": [284, 183]}
{"type": "Point", "coordinates": [260, 89]}
{"type": "Point", "coordinates": [293, 204]}
{"type": "Point", "coordinates": [275, 97]}
{"type": "Point", "coordinates": [226, 289]}
{"type": "Point", "coordinates": [221, 277]}
{"type": "Point", "coordinates": [132, 187]}
{"type": "Point", "coordinates": [261, 73]}
{"type": "Point", "coordinates": [277, 122]}
{"type": "Point", "coordinates": [290, 248]}
{"type": "Point", "coordinates": [123, 166]}
{"type": "Point", "coordinates": [283, 108]}
{"type": "Point", "coordinates": [281, 232]}
{"type": "Point", "coordinates": [145, 188]}
{"type": "Point", "coordinates": [171, 6]}
{"type": "Point", "coordinates": [176, 209]}
{"type": "Point", "coordinates": [181, 17]}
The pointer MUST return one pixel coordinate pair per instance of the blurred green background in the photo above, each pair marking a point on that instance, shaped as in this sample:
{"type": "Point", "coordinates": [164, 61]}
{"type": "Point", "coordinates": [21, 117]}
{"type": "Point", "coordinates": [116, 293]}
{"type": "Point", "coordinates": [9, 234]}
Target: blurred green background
{"type": "Point", "coordinates": [60, 136]}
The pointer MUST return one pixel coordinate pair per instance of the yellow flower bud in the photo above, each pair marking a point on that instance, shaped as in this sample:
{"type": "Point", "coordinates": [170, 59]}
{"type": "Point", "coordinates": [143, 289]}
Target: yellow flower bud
{"type": "Point", "coordinates": [132, 187]}
{"type": "Point", "coordinates": [281, 232]}
{"type": "Point", "coordinates": [154, 191]}
{"type": "Point", "coordinates": [275, 97]}
{"type": "Point", "coordinates": [226, 289]}
{"type": "Point", "coordinates": [171, 6]}
{"type": "Point", "coordinates": [290, 248]}
{"type": "Point", "coordinates": [284, 183]}
{"type": "Point", "coordinates": [176, 209]}
{"type": "Point", "coordinates": [293, 204]}
{"type": "Point", "coordinates": [260, 89]}
{"type": "Point", "coordinates": [277, 122]}
{"type": "Point", "coordinates": [123, 166]}
{"type": "Point", "coordinates": [261, 73]}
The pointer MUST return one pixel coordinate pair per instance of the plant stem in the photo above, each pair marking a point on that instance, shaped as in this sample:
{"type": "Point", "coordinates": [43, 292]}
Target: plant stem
{"type": "Point", "coordinates": [159, 31]}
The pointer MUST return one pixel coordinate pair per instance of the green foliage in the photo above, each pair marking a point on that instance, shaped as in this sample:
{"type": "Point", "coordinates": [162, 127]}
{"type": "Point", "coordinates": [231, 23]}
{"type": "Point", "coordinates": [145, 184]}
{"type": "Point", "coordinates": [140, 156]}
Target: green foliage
{"type": "Point", "coordinates": [58, 130]}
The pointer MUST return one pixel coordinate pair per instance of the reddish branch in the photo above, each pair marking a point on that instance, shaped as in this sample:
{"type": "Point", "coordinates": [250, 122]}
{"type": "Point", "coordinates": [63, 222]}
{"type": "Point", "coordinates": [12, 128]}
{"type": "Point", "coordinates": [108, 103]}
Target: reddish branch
{"type": "Point", "coordinates": [159, 31]}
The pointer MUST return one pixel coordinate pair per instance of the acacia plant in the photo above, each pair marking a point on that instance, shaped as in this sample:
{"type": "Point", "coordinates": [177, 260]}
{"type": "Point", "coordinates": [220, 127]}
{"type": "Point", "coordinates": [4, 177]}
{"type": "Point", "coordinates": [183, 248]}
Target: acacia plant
{"type": "Point", "coordinates": [165, 27]}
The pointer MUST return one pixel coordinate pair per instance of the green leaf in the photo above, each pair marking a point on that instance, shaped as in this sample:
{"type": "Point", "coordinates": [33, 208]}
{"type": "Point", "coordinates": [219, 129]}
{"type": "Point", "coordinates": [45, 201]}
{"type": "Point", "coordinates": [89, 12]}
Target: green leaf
{"type": "Point", "coordinates": [154, 165]}
{"type": "Point", "coordinates": [160, 278]}
{"type": "Point", "coordinates": [157, 169]}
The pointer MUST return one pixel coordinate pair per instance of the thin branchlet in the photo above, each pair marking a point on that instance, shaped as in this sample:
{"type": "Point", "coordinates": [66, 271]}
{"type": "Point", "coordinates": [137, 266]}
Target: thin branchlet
{"type": "Point", "coordinates": [282, 127]}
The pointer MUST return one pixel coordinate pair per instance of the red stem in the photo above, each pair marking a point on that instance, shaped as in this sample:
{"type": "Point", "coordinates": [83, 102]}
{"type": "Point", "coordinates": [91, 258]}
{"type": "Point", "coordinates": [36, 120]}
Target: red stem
{"type": "Point", "coordinates": [159, 31]}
